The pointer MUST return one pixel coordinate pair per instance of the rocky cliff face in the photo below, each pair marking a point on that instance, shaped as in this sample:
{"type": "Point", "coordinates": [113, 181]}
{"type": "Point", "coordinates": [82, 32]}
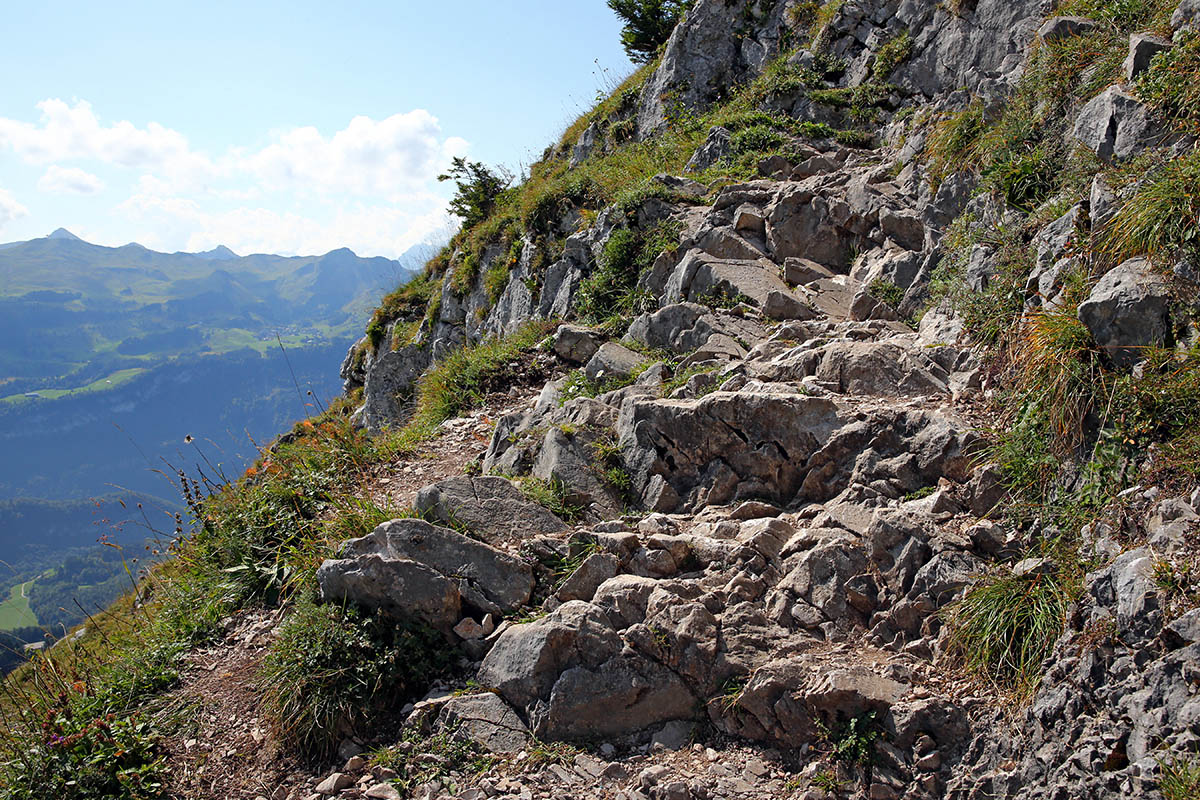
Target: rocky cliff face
{"type": "Point", "coordinates": [782, 477]}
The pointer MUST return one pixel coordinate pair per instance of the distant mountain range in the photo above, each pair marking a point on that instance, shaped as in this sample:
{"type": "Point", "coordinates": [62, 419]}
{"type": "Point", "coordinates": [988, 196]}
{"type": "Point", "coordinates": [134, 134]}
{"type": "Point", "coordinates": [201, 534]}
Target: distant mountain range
{"type": "Point", "coordinates": [111, 356]}
{"type": "Point", "coordinates": [126, 308]}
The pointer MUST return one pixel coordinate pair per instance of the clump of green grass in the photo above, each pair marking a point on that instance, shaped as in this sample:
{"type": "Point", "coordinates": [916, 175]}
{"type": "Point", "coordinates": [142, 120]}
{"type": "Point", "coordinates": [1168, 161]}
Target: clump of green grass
{"type": "Point", "coordinates": [1162, 217]}
{"type": "Point", "coordinates": [333, 667]}
{"type": "Point", "coordinates": [819, 20]}
{"type": "Point", "coordinates": [461, 381]}
{"type": "Point", "coordinates": [887, 291]}
{"type": "Point", "coordinates": [610, 293]}
{"type": "Point", "coordinates": [263, 535]}
{"type": "Point", "coordinates": [681, 377]}
{"type": "Point", "coordinates": [408, 301]}
{"type": "Point", "coordinates": [552, 495]}
{"type": "Point", "coordinates": [951, 144]}
{"type": "Point", "coordinates": [1124, 16]}
{"type": "Point", "coordinates": [1179, 777]}
{"type": "Point", "coordinates": [1006, 625]}
{"type": "Point", "coordinates": [1172, 83]}
{"type": "Point", "coordinates": [891, 54]}
{"type": "Point", "coordinates": [452, 755]}
{"type": "Point", "coordinates": [991, 314]}
{"type": "Point", "coordinates": [1060, 368]}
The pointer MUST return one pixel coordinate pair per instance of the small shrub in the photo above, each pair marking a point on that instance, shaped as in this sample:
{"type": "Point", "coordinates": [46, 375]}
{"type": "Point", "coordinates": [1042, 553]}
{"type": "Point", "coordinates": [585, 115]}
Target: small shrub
{"type": "Point", "coordinates": [477, 189]}
{"type": "Point", "coordinates": [1025, 176]}
{"type": "Point", "coordinates": [885, 290]}
{"type": "Point", "coordinates": [1005, 626]}
{"type": "Point", "coordinates": [853, 743]}
{"type": "Point", "coordinates": [332, 667]}
{"type": "Point", "coordinates": [853, 138]}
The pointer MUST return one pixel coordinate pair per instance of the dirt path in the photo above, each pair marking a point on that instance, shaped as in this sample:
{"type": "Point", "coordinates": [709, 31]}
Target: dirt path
{"type": "Point", "coordinates": [224, 749]}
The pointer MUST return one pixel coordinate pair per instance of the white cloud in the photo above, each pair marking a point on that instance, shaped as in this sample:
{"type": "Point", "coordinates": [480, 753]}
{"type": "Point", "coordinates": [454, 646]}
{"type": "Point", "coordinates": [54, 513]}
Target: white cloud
{"type": "Point", "coordinates": [10, 209]}
{"type": "Point", "coordinates": [74, 132]}
{"type": "Point", "coordinates": [69, 180]}
{"type": "Point", "coordinates": [390, 157]}
{"type": "Point", "coordinates": [370, 186]}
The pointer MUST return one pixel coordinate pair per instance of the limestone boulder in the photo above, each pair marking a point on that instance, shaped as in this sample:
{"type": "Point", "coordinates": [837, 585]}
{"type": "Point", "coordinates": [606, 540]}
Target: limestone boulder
{"type": "Point", "coordinates": [1115, 124]}
{"type": "Point", "coordinates": [487, 579]}
{"type": "Point", "coordinates": [490, 507]}
{"type": "Point", "coordinates": [1128, 311]}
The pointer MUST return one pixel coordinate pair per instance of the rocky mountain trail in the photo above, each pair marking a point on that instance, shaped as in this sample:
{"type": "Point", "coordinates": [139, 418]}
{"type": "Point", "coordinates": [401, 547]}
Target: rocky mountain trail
{"type": "Point", "coordinates": [854, 460]}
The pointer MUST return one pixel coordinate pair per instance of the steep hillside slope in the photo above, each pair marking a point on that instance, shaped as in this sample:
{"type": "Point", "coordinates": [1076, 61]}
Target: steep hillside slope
{"type": "Point", "coordinates": [839, 375]}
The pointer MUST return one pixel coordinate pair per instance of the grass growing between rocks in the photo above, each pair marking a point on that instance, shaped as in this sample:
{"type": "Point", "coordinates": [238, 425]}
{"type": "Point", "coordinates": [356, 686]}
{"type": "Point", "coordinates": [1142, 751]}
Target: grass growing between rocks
{"type": "Point", "coordinates": [87, 719]}
{"type": "Point", "coordinates": [1179, 777]}
{"type": "Point", "coordinates": [1072, 431]}
{"type": "Point", "coordinates": [460, 382]}
{"type": "Point", "coordinates": [333, 669]}
{"type": "Point", "coordinates": [1005, 627]}
{"type": "Point", "coordinates": [552, 495]}
{"type": "Point", "coordinates": [1163, 214]}
{"type": "Point", "coordinates": [444, 756]}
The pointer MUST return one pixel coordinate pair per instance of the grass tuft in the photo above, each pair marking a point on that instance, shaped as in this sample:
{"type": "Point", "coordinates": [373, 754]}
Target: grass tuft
{"type": "Point", "coordinates": [1005, 627]}
{"type": "Point", "coordinates": [334, 669]}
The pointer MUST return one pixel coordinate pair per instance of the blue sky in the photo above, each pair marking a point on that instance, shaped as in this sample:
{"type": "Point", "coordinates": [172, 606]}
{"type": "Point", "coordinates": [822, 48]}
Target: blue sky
{"type": "Point", "coordinates": [280, 127]}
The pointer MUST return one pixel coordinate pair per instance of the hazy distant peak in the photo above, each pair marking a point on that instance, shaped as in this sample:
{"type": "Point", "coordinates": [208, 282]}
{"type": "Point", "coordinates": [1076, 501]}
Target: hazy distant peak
{"type": "Point", "coordinates": [218, 253]}
{"type": "Point", "coordinates": [63, 233]}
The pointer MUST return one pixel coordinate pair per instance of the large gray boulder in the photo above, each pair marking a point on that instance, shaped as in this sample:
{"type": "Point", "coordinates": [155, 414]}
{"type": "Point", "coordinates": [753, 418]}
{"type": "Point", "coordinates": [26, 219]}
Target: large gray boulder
{"type": "Point", "coordinates": [490, 507]}
{"type": "Point", "coordinates": [725, 446]}
{"type": "Point", "coordinates": [861, 368]}
{"type": "Point", "coordinates": [702, 277]}
{"type": "Point", "coordinates": [1058, 28]}
{"type": "Point", "coordinates": [711, 49]}
{"type": "Point", "coordinates": [789, 701]}
{"type": "Point", "coordinates": [612, 361]}
{"type": "Point", "coordinates": [1115, 124]}
{"type": "Point", "coordinates": [684, 327]}
{"type": "Point", "coordinates": [576, 343]}
{"type": "Point", "coordinates": [486, 720]}
{"type": "Point", "coordinates": [389, 380]}
{"type": "Point", "coordinates": [486, 578]}
{"type": "Point", "coordinates": [621, 696]}
{"type": "Point", "coordinates": [398, 586]}
{"type": "Point", "coordinates": [526, 660]}
{"type": "Point", "coordinates": [569, 676]}
{"type": "Point", "coordinates": [1128, 311]}
{"type": "Point", "coordinates": [1143, 47]}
